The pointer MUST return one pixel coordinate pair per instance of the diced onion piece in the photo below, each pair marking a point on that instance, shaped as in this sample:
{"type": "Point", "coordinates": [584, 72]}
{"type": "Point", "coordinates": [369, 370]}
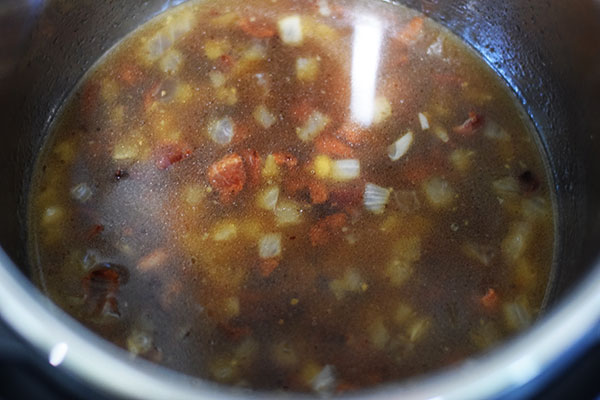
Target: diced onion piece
{"type": "Point", "coordinates": [403, 313]}
{"type": "Point", "coordinates": [525, 275]}
{"type": "Point", "coordinates": [171, 61]}
{"type": "Point", "coordinates": [398, 271]}
{"type": "Point", "coordinates": [126, 149]}
{"type": "Point", "coordinates": [255, 52]}
{"type": "Point", "coordinates": [290, 30]}
{"type": "Point", "coordinates": [375, 198]}
{"type": "Point", "coordinates": [52, 215]}
{"type": "Point", "coordinates": [214, 49]}
{"type": "Point", "coordinates": [516, 241]}
{"type": "Point", "coordinates": [486, 335]}
{"type": "Point", "coordinates": [400, 146]}
{"type": "Point", "coordinates": [408, 248]}
{"type": "Point", "coordinates": [162, 41]}
{"type": "Point", "coordinates": [324, 381]}
{"type": "Point", "coordinates": [417, 329]}
{"type": "Point", "coordinates": [535, 208]}
{"type": "Point", "coordinates": [423, 121]}
{"type": "Point", "coordinates": [287, 213]}
{"type": "Point", "coordinates": [227, 95]}
{"type": "Point", "coordinates": [315, 124]}
{"type": "Point", "coordinates": [264, 117]}
{"type": "Point", "coordinates": [194, 194]}
{"type": "Point", "coordinates": [461, 159]}
{"type": "Point", "coordinates": [324, 9]}
{"type": "Point", "coordinates": [158, 44]}
{"type": "Point", "coordinates": [322, 166]}
{"type": "Point", "coordinates": [81, 192]}
{"type": "Point", "coordinates": [441, 133]}
{"type": "Point", "coordinates": [222, 131]}
{"type": "Point", "coordinates": [246, 351]}
{"type": "Point", "coordinates": [436, 48]}
{"type": "Point", "coordinates": [217, 79]}
{"type": "Point", "coordinates": [382, 110]}
{"type": "Point", "coordinates": [223, 370]}
{"type": "Point", "coordinates": [477, 252]}
{"type": "Point", "coordinates": [378, 334]}
{"type": "Point", "coordinates": [307, 69]}
{"type": "Point", "coordinates": [269, 246]}
{"type": "Point", "coordinates": [139, 342]}
{"type": "Point", "coordinates": [438, 192]}
{"type": "Point", "coordinates": [517, 314]}
{"type": "Point", "coordinates": [350, 282]}
{"type": "Point", "coordinates": [494, 131]}
{"type": "Point", "coordinates": [406, 201]}
{"type": "Point", "coordinates": [344, 170]}
{"type": "Point", "coordinates": [224, 231]}
{"type": "Point", "coordinates": [231, 307]}
{"type": "Point", "coordinates": [270, 169]}
{"type": "Point", "coordinates": [267, 199]}
{"type": "Point", "coordinates": [506, 187]}
{"type": "Point", "coordinates": [284, 355]}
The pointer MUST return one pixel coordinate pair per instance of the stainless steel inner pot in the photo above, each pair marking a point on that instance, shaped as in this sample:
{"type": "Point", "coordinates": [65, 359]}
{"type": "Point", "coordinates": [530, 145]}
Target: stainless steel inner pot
{"type": "Point", "coordinates": [547, 51]}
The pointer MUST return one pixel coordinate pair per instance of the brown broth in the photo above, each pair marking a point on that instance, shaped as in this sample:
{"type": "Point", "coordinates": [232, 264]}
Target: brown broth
{"type": "Point", "coordinates": [147, 230]}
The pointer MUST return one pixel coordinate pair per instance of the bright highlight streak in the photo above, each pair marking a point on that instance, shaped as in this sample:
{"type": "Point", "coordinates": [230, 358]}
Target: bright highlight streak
{"type": "Point", "coordinates": [57, 354]}
{"type": "Point", "coordinates": [366, 49]}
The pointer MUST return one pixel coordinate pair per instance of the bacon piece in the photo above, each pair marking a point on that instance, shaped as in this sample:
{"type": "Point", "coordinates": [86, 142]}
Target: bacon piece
{"type": "Point", "coordinates": [228, 177]}
{"type": "Point", "coordinates": [253, 164]}
{"type": "Point", "coordinates": [171, 154]}
{"type": "Point", "coordinates": [100, 287]}
{"type": "Point", "coordinates": [257, 27]}
{"type": "Point", "coordinates": [490, 300]}
{"type": "Point", "coordinates": [285, 159]}
{"type": "Point", "coordinates": [470, 126]}
{"type": "Point", "coordinates": [318, 192]}
{"type": "Point", "coordinates": [326, 228]}
{"type": "Point", "coordinates": [267, 267]}
{"type": "Point", "coordinates": [411, 31]}
{"type": "Point", "coordinates": [329, 145]}
{"type": "Point", "coordinates": [130, 73]}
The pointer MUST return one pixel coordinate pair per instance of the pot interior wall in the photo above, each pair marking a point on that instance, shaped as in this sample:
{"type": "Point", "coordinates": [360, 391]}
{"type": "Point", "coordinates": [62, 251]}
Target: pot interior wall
{"type": "Point", "coordinates": [547, 52]}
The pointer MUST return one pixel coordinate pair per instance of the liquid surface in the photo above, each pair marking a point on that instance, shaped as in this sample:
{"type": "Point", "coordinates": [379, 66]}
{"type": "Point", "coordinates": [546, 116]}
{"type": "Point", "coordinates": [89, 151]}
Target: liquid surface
{"type": "Point", "coordinates": [308, 196]}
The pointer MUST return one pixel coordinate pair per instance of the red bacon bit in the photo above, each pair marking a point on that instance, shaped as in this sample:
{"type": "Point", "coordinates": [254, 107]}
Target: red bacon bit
{"type": "Point", "coordinates": [300, 111]}
{"type": "Point", "coordinates": [345, 387]}
{"type": "Point", "coordinates": [100, 287]}
{"type": "Point", "coordinates": [234, 332]}
{"type": "Point", "coordinates": [153, 260]}
{"type": "Point", "coordinates": [287, 159]}
{"type": "Point", "coordinates": [470, 126]}
{"type": "Point", "coordinates": [253, 164]}
{"type": "Point", "coordinates": [257, 27]}
{"type": "Point", "coordinates": [228, 177]}
{"type": "Point", "coordinates": [318, 192]}
{"type": "Point", "coordinates": [130, 74]}
{"type": "Point", "coordinates": [326, 228]}
{"type": "Point", "coordinates": [490, 300]}
{"type": "Point", "coordinates": [267, 267]}
{"type": "Point", "coordinates": [411, 31]}
{"type": "Point", "coordinates": [171, 154]}
{"type": "Point", "coordinates": [225, 63]}
{"type": "Point", "coordinates": [95, 231]}
{"type": "Point", "coordinates": [351, 134]}
{"type": "Point", "coordinates": [327, 144]}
